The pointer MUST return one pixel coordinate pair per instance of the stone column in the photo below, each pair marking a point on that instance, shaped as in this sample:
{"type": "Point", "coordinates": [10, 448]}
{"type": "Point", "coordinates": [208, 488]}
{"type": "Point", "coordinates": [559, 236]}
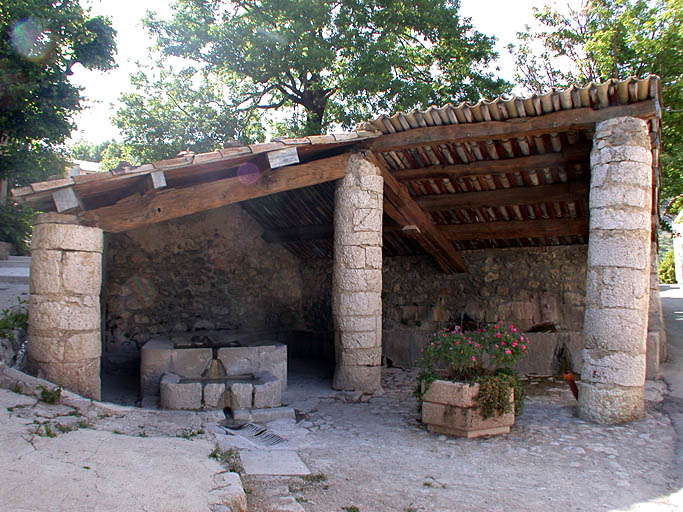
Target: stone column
{"type": "Point", "coordinates": [656, 335]}
{"type": "Point", "coordinates": [357, 276]}
{"type": "Point", "coordinates": [618, 277]}
{"type": "Point", "coordinates": [64, 343]}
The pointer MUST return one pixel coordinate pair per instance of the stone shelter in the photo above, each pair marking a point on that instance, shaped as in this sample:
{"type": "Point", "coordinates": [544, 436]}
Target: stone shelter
{"type": "Point", "coordinates": [354, 248]}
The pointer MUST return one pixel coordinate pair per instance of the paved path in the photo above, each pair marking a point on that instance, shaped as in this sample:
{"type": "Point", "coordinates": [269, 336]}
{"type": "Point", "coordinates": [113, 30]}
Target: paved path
{"type": "Point", "coordinates": [14, 279]}
{"type": "Point", "coordinates": [672, 370]}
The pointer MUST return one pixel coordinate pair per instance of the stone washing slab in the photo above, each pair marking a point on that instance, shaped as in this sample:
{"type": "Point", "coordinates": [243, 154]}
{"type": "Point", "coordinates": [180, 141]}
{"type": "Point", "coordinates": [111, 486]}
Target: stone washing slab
{"type": "Point", "coordinates": [273, 463]}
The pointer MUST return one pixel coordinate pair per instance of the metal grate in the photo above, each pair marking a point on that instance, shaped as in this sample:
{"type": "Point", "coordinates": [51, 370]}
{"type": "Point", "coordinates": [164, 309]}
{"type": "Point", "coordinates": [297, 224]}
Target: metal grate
{"type": "Point", "coordinates": [257, 434]}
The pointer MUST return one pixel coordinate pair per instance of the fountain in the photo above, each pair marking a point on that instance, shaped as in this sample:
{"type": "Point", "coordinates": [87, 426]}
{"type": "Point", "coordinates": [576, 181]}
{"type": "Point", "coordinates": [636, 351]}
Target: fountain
{"type": "Point", "coordinates": [214, 370]}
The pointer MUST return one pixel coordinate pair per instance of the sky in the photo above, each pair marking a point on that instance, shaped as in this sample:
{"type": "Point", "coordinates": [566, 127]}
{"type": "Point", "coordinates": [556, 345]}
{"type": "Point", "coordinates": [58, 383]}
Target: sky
{"type": "Point", "coordinates": [500, 18]}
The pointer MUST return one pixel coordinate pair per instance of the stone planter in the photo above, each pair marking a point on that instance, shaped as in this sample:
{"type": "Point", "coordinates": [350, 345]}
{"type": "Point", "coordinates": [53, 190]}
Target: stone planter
{"type": "Point", "coordinates": [450, 408]}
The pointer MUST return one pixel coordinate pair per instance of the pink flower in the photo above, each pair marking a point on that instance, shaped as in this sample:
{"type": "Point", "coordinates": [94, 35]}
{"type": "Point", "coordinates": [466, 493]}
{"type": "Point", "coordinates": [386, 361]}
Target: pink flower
{"type": "Point", "coordinates": [474, 358]}
{"type": "Point", "coordinates": [511, 326]}
{"type": "Point", "coordinates": [497, 335]}
{"type": "Point", "coordinates": [502, 343]}
{"type": "Point", "coordinates": [508, 351]}
{"type": "Point", "coordinates": [457, 343]}
{"type": "Point", "coordinates": [495, 326]}
{"type": "Point", "coordinates": [514, 344]}
{"type": "Point", "coordinates": [523, 347]}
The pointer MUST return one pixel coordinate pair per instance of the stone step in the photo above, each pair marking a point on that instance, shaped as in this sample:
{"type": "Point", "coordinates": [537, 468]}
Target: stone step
{"type": "Point", "coordinates": [16, 261]}
{"type": "Point", "coordinates": [14, 275]}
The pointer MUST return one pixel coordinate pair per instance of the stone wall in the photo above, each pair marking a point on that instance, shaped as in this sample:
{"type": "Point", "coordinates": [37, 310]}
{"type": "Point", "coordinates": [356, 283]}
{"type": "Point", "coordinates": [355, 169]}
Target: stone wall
{"type": "Point", "coordinates": [207, 271]}
{"type": "Point", "coordinates": [526, 286]}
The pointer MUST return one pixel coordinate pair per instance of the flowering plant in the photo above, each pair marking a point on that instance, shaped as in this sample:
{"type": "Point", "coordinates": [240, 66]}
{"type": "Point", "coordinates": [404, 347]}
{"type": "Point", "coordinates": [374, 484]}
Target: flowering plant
{"type": "Point", "coordinates": [483, 356]}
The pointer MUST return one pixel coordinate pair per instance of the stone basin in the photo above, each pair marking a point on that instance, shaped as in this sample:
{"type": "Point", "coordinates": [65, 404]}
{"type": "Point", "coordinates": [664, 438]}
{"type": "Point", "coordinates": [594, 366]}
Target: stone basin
{"type": "Point", "coordinates": [250, 391]}
{"type": "Point", "coordinates": [191, 356]}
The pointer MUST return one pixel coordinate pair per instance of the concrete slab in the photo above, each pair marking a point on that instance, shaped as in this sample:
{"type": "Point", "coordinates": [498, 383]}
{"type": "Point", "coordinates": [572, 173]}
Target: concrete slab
{"type": "Point", "coordinates": [274, 463]}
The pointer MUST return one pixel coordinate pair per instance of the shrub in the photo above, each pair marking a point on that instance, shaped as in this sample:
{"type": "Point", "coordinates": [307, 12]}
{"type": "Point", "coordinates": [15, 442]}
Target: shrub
{"type": "Point", "coordinates": [667, 273]}
{"type": "Point", "coordinates": [15, 225]}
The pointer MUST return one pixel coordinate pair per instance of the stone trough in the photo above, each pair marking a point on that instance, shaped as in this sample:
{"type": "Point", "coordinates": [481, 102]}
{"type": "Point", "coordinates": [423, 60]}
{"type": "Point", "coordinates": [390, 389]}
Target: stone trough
{"type": "Point", "coordinates": [214, 370]}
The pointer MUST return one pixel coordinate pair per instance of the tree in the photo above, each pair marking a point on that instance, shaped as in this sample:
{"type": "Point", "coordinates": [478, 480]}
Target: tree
{"type": "Point", "coordinates": [613, 39]}
{"type": "Point", "coordinates": [186, 110]}
{"type": "Point", "coordinates": [85, 150]}
{"type": "Point", "coordinates": [40, 42]}
{"type": "Point", "coordinates": [336, 61]}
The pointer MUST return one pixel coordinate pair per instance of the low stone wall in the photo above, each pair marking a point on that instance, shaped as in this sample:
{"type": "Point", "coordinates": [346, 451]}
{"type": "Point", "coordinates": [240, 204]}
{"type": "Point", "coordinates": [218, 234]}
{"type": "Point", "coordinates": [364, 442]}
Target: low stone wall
{"type": "Point", "coordinates": [526, 287]}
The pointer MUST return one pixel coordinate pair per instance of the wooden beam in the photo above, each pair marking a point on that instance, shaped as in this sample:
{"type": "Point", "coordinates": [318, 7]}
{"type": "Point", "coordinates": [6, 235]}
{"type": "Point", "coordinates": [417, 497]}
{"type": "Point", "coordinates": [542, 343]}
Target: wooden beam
{"type": "Point", "coordinates": [571, 154]}
{"type": "Point", "coordinates": [170, 203]}
{"type": "Point", "coordinates": [570, 191]}
{"type": "Point", "coordinates": [555, 122]}
{"type": "Point", "coordinates": [516, 229]}
{"type": "Point", "coordinates": [406, 212]}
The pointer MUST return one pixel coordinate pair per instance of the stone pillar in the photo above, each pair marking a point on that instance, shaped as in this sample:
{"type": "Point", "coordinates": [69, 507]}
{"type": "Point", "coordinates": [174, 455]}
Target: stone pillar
{"type": "Point", "coordinates": [618, 277]}
{"type": "Point", "coordinates": [656, 335]}
{"type": "Point", "coordinates": [64, 343]}
{"type": "Point", "coordinates": [357, 276]}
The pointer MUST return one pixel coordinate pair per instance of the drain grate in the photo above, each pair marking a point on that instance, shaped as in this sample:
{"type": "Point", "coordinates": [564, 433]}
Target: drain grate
{"type": "Point", "coordinates": [257, 434]}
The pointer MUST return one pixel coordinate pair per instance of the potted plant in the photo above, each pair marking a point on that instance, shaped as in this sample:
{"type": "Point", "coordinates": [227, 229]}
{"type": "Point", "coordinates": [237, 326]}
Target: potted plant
{"type": "Point", "coordinates": [466, 386]}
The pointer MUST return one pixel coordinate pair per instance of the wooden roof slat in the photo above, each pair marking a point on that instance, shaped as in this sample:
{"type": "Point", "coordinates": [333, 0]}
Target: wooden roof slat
{"type": "Point", "coordinates": [580, 152]}
{"type": "Point", "coordinates": [572, 190]}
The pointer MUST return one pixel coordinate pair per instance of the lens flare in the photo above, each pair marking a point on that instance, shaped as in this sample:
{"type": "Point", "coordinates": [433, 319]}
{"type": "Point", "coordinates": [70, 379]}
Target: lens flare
{"type": "Point", "coordinates": [248, 173]}
{"type": "Point", "coordinates": [31, 39]}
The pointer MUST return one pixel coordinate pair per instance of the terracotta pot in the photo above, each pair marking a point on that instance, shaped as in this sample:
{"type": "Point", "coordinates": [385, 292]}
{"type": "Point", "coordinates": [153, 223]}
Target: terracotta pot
{"type": "Point", "coordinates": [569, 377]}
{"type": "Point", "coordinates": [451, 408]}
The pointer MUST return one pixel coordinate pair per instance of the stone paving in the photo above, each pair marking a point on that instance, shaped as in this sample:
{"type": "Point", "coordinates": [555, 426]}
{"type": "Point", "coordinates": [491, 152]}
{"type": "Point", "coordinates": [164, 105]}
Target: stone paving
{"type": "Point", "coordinates": [374, 454]}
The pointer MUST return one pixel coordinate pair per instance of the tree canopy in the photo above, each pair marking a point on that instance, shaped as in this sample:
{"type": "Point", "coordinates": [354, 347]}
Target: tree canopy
{"type": "Point", "coordinates": [613, 39]}
{"type": "Point", "coordinates": [323, 62]}
{"type": "Point", "coordinates": [40, 42]}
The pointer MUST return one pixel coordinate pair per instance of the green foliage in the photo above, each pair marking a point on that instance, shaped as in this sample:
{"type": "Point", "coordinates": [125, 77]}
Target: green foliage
{"type": "Point", "coordinates": [494, 393]}
{"type": "Point", "coordinates": [613, 39]}
{"type": "Point", "coordinates": [40, 42]}
{"type": "Point", "coordinates": [15, 225]}
{"type": "Point", "coordinates": [325, 62]}
{"type": "Point", "coordinates": [230, 457]}
{"type": "Point", "coordinates": [50, 396]}
{"type": "Point", "coordinates": [481, 356]}
{"type": "Point", "coordinates": [188, 110]}
{"type": "Point", "coordinates": [84, 150]}
{"type": "Point", "coordinates": [14, 317]}
{"type": "Point", "coordinates": [667, 273]}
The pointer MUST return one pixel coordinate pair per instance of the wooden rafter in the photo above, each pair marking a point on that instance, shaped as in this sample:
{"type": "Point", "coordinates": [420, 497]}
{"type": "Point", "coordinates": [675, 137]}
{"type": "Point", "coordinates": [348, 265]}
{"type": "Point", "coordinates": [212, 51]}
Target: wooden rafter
{"type": "Point", "coordinates": [170, 203]}
{"type": "Point", "coordinates": [570, 191]}
{"type": "Point", "coordinates": [572, 154]}
{"type": "Point", "coordinates": [516, 229]}
{"type": "Point", "coordinates": [402, 208]}
{"type": "Point", "coordinates": [555, 122]}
